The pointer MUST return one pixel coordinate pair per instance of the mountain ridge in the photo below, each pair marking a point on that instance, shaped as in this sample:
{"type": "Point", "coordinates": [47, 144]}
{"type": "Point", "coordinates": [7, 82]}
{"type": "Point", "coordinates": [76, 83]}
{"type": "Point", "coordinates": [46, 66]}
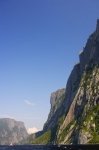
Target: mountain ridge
{"type": "Point", "coordinates": [76, 119]}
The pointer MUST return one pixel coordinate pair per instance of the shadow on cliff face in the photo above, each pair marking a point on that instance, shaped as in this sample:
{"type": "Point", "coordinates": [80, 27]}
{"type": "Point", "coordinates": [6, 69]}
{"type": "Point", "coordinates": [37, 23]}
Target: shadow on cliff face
{"type": "Point", "coordinates": [54, 135]}
{"type": "Point", "coordinates": [72, 87]}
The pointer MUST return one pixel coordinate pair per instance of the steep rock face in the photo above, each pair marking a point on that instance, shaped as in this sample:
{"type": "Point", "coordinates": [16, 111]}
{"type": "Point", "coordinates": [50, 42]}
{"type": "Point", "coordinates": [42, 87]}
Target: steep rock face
{"type": "Point", "coordinates": [91, 50]}
{"type": "Point", "coordinates": [56, 110]}
{"type": "Point", "coordinates": [76, 120]}
{"type": "Point", "coordinates": [79, 125]}
{"type": "Point", "coordinates": [72, 86]}
{"type": "Point", "coordinates": [86, 98]}
{"type": "Point", "coordinates": [12, 131]}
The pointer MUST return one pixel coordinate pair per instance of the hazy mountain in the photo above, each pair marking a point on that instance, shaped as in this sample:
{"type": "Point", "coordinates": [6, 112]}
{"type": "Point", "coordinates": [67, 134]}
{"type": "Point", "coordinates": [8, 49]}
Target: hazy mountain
{"type": "Point", "coordinates": [12, 131]}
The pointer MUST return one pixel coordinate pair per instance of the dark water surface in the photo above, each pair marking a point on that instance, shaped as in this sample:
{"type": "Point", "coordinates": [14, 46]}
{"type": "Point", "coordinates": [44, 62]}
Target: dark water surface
{"type": "Point", "coordinates": [51, 147]}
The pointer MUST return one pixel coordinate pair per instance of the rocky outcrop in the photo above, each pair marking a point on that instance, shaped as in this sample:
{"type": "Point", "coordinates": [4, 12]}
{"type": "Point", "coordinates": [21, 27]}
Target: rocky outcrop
{"type": "Point", "coordinates": [75, 117]}
{"type": "Point", "coordinates": [12, 131]}
{"type": "Point", "coordinates": [56, 101]}
{"type": "Point", "coordinates": [72, 86]}
{"type": "Point", "coordinates": [91, 51]}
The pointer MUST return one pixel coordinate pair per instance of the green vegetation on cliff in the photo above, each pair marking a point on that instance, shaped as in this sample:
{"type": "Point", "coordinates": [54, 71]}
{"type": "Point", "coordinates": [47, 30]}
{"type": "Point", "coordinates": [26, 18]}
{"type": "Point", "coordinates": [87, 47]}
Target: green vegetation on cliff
{"type": "Point", "coordinates": [43, 139]}
{"type": "Point", "coordinates": [91, 124]}
{"type": "Point", "coordinates": [50, 136]}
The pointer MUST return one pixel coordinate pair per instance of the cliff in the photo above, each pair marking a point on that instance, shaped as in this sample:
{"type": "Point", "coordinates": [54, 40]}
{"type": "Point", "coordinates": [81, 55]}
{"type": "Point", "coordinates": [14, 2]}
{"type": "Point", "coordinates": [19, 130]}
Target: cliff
{"type": "Point", "coordinates": [12, 131]}
{"type": "Point", "coordinates": [56, 101]}
{"type": "Point", "coordinates": [74, 114]}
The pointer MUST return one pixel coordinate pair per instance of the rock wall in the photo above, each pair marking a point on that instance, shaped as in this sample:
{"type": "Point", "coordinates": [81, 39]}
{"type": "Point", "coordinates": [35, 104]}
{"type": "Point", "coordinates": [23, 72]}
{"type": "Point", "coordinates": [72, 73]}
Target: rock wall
{"type": "Point", "coordinates": [91, 51]}
{"type": "Point", "coordinates": [56, 110]}
{"type": "Point", "coordinates": [72, 86]}
{"type": "Point", "coordinates": [84, 98]}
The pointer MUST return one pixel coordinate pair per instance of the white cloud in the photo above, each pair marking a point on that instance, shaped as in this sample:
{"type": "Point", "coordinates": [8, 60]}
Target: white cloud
{"type": "Point", "coordinates": [32, 130]}
{"type": "Point", "coordinates": [29, 103]}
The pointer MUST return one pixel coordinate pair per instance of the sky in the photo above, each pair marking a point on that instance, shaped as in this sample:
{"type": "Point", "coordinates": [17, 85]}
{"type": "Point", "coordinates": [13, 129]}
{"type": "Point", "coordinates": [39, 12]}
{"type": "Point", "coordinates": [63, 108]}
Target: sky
{"type": "Point", "coordinates": [40, 41]}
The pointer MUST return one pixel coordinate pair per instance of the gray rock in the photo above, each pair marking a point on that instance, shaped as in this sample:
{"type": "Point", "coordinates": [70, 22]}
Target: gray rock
{"type": "Point", "coordinates": [82, 139]}
{"type": "Point", "coordinates": [90, 53]}
{"type": "Point", "coordinates": [12, 131]}
{"type": "Point", "coordinates": [56, 110]}
{"type": "Point", "coordinates": [72, 86]}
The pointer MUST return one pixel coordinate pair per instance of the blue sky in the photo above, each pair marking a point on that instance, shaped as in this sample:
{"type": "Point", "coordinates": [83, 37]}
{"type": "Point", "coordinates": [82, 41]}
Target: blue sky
{"type": "Point", "coordinates": [40, 42]}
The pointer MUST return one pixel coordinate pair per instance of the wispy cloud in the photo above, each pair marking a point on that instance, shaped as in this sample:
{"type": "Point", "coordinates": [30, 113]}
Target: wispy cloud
{"type": "Point", "coordinates": [29, 103]}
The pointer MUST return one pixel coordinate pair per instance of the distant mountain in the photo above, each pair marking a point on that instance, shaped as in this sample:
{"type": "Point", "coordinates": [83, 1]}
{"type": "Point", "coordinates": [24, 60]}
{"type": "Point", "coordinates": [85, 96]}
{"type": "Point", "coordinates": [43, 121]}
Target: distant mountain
{"type": "Point", "coordinates": [12, 131]}
{"type": "Point", "coordinates": [74, 114]}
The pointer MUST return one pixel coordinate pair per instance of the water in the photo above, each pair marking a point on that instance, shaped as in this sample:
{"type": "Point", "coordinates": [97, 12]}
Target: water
{"type": "Point", "coordinates": [51, 147]}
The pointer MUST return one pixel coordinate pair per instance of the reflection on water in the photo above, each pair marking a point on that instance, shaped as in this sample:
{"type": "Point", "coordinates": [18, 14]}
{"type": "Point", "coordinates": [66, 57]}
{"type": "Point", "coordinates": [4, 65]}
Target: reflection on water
{"type": "Point", "coordinates": [51, 147]}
